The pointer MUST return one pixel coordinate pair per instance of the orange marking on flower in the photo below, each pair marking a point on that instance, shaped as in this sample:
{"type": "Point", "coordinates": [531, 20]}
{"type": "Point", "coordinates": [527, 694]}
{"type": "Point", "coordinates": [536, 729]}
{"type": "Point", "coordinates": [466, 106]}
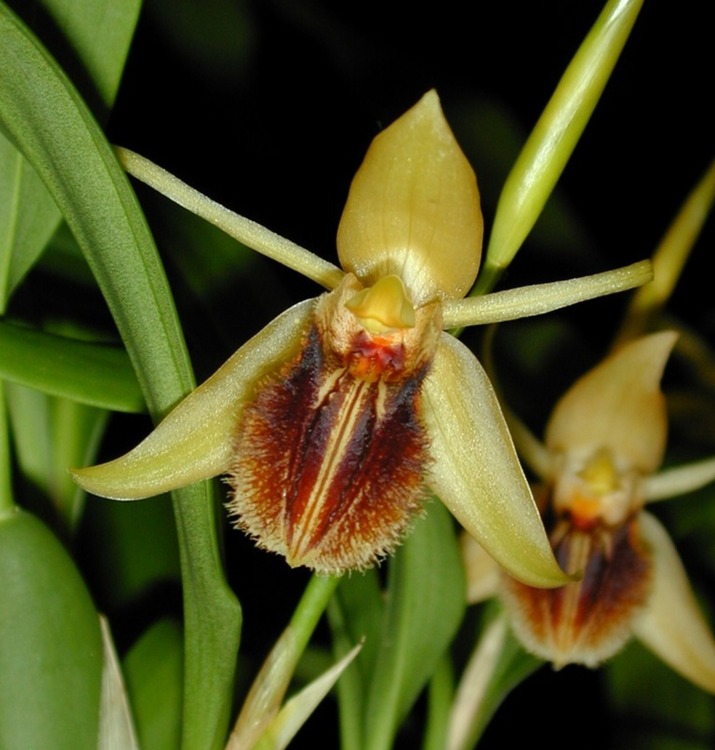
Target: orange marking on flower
{"type": "Point", "coordinates": [585, 511]}
{"type": "Point", "coordinates": [374, 357]}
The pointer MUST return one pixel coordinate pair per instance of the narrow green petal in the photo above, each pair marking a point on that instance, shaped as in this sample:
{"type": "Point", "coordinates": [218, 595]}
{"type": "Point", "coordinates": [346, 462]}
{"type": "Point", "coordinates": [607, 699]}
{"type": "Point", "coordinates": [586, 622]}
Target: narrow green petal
{"type": "Point", "coordinates": [679, 480]}
{"type": "Point", "coordinates": [672, 625]}
{"type": "Point", "coordinates": [538, 299]}
{"type": "Point", "coordinates": [246, 231]}
{"type": "Point", "coordinates": [476, 472]}
{"type": "Point", "coordinates": [195, 440]}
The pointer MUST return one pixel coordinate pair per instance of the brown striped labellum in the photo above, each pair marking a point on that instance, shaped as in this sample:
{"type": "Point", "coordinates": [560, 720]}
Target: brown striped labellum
{"type": "Point", "coordinates": [339, 418]}
{"type": "Point", "coordinates": [588, 620]}
{"type": "Point", "coordinates": [339, 433]}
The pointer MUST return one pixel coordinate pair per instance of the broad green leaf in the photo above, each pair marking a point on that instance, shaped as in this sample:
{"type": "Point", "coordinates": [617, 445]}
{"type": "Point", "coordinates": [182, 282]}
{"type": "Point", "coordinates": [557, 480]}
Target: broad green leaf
{"type": "Point", "coordinates": [49, 122]}
{"type": "Point", "coordinates": [87, 372]}
{"type": "Point", "coordinates": [50, 643]}
{"type": "Point", "coordinates": [425, 605]}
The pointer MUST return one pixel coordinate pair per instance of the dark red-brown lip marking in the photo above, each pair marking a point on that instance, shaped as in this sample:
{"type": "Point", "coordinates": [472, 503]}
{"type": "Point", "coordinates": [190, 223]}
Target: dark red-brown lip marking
{"type": "Point", "coordinates": [588, 620]}
{"type": "Point", "coordinates": [329, 466]}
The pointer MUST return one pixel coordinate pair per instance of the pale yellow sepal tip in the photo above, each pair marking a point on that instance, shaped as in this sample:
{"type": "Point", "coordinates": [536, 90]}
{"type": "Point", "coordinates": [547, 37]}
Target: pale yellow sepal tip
{"type": "Point", "coordinates": [413, 209]}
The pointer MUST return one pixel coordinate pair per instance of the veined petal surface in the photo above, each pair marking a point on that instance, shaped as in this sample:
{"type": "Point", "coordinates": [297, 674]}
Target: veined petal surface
{"type": "Point", "coordinates": [195, 441]}
{"type": "Point", "coordinates": [475, 470]}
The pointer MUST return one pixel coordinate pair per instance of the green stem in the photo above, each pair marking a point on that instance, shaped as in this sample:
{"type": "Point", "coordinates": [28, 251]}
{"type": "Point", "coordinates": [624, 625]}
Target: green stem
{"type": "Point", "coordinates": [310, 609]}
{"type": "Point", "coordinates": [441, 695]}
{"type": "Point", "coordinates": [7, 506]}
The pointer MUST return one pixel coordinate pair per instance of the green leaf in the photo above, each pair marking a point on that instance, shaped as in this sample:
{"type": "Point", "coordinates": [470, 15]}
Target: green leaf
{"type": "Point", "coordinates": [152, 670]}
{"type": "Point", "coordinates": [7, 501]}
{"type": "Point", "coordinates": [46, 118]}
{"type": "Point", "coordinates": [356, 613]}
{"type": "Point", "coordinates": [440, 696]}
{"type": "Point", "coordinates": [79, 168]}
{"type": "Point", "coordinates": [49, 434]}
{"type": "Point", "coordinates": [425, 605]}
{"type": "Point", "coordinates": [419, 616]}
{"type": "Point", "coordinates": [50, 643]}
{"type": "Point", "coordinates": [28, 218]}
{"type": "Point", "coordinates": [87, 372]}
{"type": "Point", "coordinates": [93, 38]}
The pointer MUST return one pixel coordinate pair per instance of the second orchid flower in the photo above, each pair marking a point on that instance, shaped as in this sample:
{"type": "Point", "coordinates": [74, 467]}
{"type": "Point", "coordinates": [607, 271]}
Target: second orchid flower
{"type": "Point", "coordinates": [605, 442]}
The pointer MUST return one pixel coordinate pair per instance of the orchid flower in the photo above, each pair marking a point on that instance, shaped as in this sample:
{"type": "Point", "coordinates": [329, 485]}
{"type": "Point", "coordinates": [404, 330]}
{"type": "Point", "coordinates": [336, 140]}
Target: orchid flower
{"type": "Point", "coordinates": [337, 421]}
{"type": "Point", "coordinates": [604, 443]}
